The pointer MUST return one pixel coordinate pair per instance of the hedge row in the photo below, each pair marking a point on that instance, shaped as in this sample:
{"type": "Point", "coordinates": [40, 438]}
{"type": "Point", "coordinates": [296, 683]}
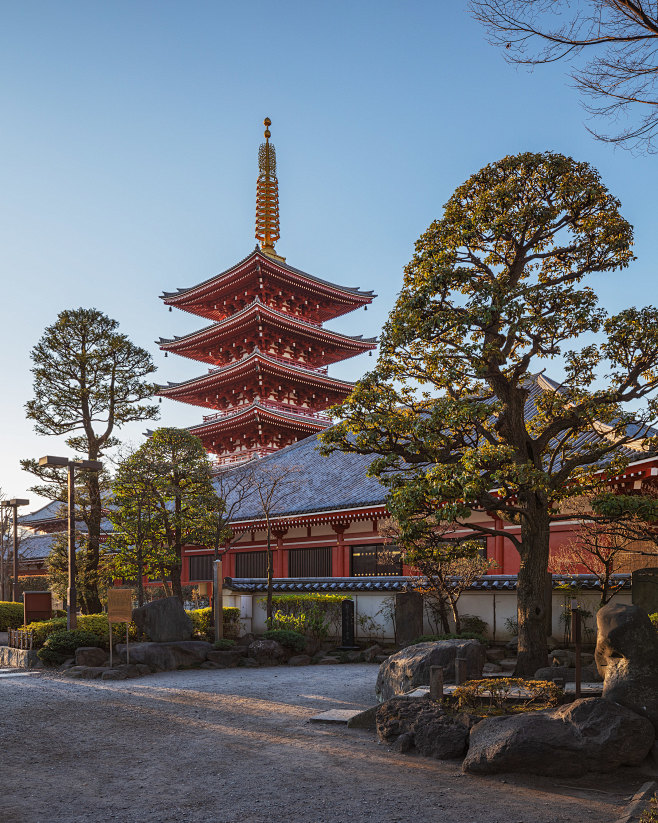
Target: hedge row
{"type": "Point", "coordinates": [204, 626]}
{"type": "Point", "coordinates": [95, 624]}
{"type": "Point", "coordinates": [11, 615]}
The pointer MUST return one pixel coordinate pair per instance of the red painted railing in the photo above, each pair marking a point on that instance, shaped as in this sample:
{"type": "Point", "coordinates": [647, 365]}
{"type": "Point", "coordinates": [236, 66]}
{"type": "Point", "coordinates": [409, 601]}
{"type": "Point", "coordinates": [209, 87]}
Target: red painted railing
{"type": "Point", "coordinates": [270, 404]}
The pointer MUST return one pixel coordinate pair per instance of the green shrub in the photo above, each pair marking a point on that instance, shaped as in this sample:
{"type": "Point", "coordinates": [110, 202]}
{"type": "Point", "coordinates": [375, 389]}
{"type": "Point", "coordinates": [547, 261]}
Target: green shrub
{"type": "Point", "coordinates": [489, 696]}
{"type": "Point", "coordinates": [316, 615]}
{"type": "Point", "coordinates": [291, 640]}
{"type": "Point", "coordinates": [11, 615]}
{"type": "Point", "coordinates": [431, 638]}
{"type": "Point", "coordinates": [96, 624]}
{"type": "Point", "coordinates": [63, 644]}
{"type": "Point", "coordinates": [224, 644]}
{"type": "Point", "coordinates": [475, 625]}
{"type": "Point", "coordinates": [44, 628]}
{"type": "Point", "coordinates": [204, 626]}
{"type": "Point", "coordinates": [654, 620]}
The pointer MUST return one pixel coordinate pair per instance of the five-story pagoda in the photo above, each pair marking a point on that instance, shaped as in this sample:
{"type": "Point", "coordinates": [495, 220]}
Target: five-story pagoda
{"type": "Point", "coordinates": [268, 384]}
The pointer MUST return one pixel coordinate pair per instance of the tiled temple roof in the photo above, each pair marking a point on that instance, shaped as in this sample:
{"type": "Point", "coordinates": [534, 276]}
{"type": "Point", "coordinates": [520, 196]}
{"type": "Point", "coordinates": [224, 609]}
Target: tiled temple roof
{"type": "Point", "coordinates": [329, 585]}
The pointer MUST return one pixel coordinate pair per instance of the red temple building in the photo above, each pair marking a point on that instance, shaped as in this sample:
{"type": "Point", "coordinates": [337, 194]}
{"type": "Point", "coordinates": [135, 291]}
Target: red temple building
{"type": "Point", "coordinates": [269, 352]}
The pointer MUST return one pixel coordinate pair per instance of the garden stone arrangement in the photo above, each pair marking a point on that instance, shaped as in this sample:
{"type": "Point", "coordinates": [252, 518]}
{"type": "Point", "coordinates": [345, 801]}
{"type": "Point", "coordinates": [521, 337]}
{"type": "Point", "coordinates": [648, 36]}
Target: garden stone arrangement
{"type": "Point", "coordinates": [588, 735]}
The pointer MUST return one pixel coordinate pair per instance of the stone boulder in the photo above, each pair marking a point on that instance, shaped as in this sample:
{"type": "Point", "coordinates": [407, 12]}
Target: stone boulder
{"type": "Point", "coordinates": [90, 656]}
{"type": "Point", "coordinates": [167, 656]}
{"type": "Point", "coordinates": [226, 658]}
{"type": "Point", "coordinates": [410, 667]}
{"type": "Point", "coordinates": [627, 658]}
{"type": "Point", "coordinates": [164, 620]}
{"type": "Point", "coordinates": [268, 652]}
{"type": "Point", "coordinates": [424, 725]}
{"type": "Point", "coordinates": [588, 735]}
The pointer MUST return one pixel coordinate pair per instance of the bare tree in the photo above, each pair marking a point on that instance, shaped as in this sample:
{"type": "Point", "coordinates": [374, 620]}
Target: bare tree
{"type": "Point", "coordinates": [613, 48]}
{"type": "Point", "coordinates": [272, 486]}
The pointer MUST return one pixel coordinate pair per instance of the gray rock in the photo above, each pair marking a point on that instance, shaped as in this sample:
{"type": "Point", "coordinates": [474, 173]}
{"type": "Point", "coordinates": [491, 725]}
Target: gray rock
{"type": "Point", "coordinates": [424, 725]}
{"type": "Point", "coordinates": [90, 656]}
{"type": "Point", "coordinates": [267, 652]}
{"type": "Point", "coordinates": [371, 653]}
{"type": "Point", "coordinates": [131, 670]}
{"type": "Point", "coordinates": [113, 674]}
{"type": "Point", "coordinates": [248, 663]}
{"type": "Point", "coordinates": [164, 620]}
{"type": "Point", "coordinates": [167, 656]}
{"type": "Point", "coordinates": [328, 661]}
{"type": "Point", "coordinates": [627, 658]}
{"type": "Point", "coordinates": [496, 654]}
{"type": "Point", "coordinates": [588, 735]}
{"type": "Point", "coordinates": [226, 658]}
{"type": "Point", "coordinates": [143, 669]}
{"type": "Point", "coordinates": [488, 668]}
{"type": "Point", "coordinates": [562, 657]}
{"type": "Point", "coordinates": [410, 667]}
{"type": "Point", "coordinates": [300, 660]}
{"type": "Point", "coordinates": [208, 664]}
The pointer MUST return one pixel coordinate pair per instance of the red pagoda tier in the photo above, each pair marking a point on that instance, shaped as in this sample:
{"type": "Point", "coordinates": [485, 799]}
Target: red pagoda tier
{"type": "Point", "coordinates": [269, 385]}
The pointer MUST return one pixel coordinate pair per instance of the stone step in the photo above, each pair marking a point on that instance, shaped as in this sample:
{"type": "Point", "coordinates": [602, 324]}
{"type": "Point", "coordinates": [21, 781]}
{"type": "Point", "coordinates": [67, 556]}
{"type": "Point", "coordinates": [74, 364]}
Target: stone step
{"type": "Point", "coordinates": [508, 664]}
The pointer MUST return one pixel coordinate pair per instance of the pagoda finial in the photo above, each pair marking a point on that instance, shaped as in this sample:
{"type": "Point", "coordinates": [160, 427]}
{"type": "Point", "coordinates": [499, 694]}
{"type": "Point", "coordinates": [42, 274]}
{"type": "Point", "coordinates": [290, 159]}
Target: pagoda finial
{"type": "Point", "coordinates": [267, 196]}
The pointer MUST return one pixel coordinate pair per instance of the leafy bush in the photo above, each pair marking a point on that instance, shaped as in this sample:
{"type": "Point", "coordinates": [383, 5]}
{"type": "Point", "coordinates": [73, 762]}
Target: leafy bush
{"type": "Point", "coordinates": [316, 615]}
{"type": "Point", "coordinates": [63, 644]}
{"type": "Point", "coordinates": [654, 620]}
{"type": "Point", "coordinates": [224, 644]}
{"type": "Point", "coordinates": [96, 624]}
{"type": "Point", "coordinates": [32, 583]}
{"type": "Point", "coordinates": [44, 628]}
{"type": "Point", "coordinates": [490, 696]}
{"type": "Point", "coordinates": [11, 615]}
{"type": "Point", "coordinates": [204, 625]}
{"type": "Point", "coordinates": [289, 639]}
{"type": "Point", "coordinates": [512, 625]}
{"type": "Point", "coordinates": [475, 625]}
{"type": "Point", "coordinates": [431, 638]}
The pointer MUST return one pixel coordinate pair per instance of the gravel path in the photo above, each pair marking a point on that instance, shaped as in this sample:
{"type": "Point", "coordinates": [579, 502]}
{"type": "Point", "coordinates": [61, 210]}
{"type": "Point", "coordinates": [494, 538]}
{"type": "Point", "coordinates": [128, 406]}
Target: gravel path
{"type": "Point", "coordinates": [236, 746]}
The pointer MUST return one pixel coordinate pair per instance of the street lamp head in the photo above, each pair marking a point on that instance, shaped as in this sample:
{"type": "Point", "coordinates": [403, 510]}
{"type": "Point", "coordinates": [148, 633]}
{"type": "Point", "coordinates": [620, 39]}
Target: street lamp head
{"type": "Point", "coordinates": [89, 465]}
{"type": "Point", "coordinates": [53, 462]}
{"type": "Point", "coordinates": [19, 501]}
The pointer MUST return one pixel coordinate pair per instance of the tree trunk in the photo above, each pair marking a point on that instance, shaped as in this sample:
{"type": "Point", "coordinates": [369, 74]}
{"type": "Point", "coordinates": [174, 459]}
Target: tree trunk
{"type": "Point", "coordinates": [270, 577]}
{"type": "Point", "coordinates": [531, 594]}
{"type": "Point", "coordinates": [455, 615]}
{"type": "Point", "coordinates": [176, 586]}
{"type": "Point", "coordinates": [92, 595]}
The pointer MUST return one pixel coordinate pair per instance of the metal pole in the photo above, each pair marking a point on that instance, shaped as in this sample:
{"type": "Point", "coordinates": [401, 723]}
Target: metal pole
{"type": "Point", "coordinates": [576, 637]}
{"type": "Point", "coordinates": [72, 599]}
{"type": "Point", "coordinates": [14, 592]}
{"type": "Point", "coordinates": [2, 553]}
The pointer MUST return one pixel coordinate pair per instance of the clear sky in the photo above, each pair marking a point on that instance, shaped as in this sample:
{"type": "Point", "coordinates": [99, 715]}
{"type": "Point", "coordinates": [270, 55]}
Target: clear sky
{"type": "Point", "coordinates": [129, 134]}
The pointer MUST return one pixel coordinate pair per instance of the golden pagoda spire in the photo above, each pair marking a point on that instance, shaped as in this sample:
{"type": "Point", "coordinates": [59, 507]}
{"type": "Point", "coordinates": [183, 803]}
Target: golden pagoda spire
{"type": "Point", "coordinates": [267, 196]}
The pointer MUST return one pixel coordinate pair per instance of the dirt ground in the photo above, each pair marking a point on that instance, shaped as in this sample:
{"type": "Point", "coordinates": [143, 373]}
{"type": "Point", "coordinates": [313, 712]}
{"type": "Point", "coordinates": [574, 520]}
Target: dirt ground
{"type": "Point", "coordinates": [236, 745]}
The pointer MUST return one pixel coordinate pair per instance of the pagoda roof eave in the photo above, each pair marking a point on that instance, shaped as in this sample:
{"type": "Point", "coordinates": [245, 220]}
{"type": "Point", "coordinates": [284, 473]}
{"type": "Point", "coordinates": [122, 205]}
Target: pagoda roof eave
{"type": "Point", "coordinates": [351, 292]}
{"type": "Point", "coordinates": [261, 358]}
{"type": "Point", "coordinates": [255, 308]}
{"type": "Point", "coordinates": [258, 413]}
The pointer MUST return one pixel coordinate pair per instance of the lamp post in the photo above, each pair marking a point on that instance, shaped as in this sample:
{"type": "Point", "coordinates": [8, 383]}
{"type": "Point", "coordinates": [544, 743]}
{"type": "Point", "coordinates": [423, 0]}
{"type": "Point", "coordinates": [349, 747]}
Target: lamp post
{"type": "Point", "coordinates": [71, 465]}
{"type": "Point", "coordinates": [13, 505]}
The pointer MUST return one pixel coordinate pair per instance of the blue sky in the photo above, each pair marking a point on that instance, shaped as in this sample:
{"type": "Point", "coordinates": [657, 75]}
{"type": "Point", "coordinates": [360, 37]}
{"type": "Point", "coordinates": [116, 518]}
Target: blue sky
{"type": "Point", "coordinates": [129, 137]}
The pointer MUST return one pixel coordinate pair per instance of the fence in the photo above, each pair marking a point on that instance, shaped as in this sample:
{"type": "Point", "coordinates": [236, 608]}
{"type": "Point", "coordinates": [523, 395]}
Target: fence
{"type": "Point", "coordinates": [20, 639]}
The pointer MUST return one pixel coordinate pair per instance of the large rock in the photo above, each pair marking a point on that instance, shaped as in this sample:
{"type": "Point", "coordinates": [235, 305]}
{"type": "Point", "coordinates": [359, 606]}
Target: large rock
{"type": "Point", "coordinates": [268, 652]}
{"type": "Point", "coordinates": [90, 656]}
{"type": "Point", "coordinates": [226, 658]}
{"type": "Point", "coordinates": [588, 674]}
{"type": "Point", "coordinates": [627, 658]}
{"type": "Point", "coordinates": [410, 667]}
{"type": "Point", "coordinates": [588, 735]}
{"type": "Point", "coordinates": [423, 724]}
{"type": "Point", "coordinates": [164, 620]}
{"type": "Point", "coordinates": [167, 656]}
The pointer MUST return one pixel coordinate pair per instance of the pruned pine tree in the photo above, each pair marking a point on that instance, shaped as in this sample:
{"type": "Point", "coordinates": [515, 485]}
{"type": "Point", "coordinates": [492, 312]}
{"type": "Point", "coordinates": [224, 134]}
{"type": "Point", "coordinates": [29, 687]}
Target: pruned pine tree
{"type": "Point", "coordinates": [454, 414]}
{"type": "Point", "coordinates": [89, 380]}
{"type": "Point", "coordinates": [179, 499]}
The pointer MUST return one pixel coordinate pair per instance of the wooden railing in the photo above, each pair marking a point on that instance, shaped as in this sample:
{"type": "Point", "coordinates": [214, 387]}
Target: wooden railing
{"type": "Point", "coordinates": [20, 639]}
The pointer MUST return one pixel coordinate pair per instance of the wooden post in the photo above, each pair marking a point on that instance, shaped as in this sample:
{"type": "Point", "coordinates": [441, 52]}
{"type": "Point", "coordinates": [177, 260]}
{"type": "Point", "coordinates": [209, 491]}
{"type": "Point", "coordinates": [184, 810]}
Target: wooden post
{"type": "Point", "coordinates": [461, 670]}
{"type": "Point", "coordinates": [576, 637]}
{"type": "Point", "coordinates": [436, 682]}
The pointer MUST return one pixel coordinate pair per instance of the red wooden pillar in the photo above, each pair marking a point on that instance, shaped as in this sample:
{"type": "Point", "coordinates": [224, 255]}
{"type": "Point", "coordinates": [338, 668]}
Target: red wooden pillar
{"type": "Point", "coordinates": [340, 560]}
{"type": "Point", "coordinates": [278, 553]}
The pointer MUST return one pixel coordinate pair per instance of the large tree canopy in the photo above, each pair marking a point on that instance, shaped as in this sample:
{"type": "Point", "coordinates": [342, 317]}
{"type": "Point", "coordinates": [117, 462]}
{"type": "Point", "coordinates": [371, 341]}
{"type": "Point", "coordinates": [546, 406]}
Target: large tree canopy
{"type": "Point", "coordinates": [454, 412]}
{"type": "Point", "coordinates": [89, 380]}
{"type": "Point", "coordinates": [617, 41]}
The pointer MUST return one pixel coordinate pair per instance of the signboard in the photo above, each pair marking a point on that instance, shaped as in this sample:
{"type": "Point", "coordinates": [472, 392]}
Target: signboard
{"type": "Point", "coordinates": [119, 605]}
{"type": "Point", "coordinates": [37, 606]}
